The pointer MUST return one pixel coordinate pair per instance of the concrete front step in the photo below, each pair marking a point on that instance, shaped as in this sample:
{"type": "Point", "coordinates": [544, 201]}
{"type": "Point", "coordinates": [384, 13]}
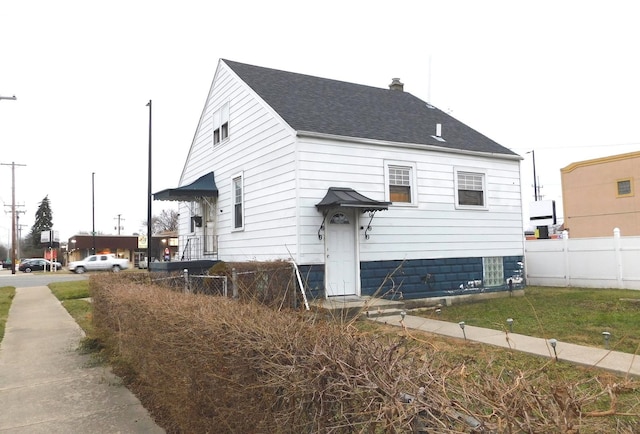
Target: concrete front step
{"type": "Point", "coordinates": [376, 313]}
{"type": "Point", "coordinates": [354, 306]}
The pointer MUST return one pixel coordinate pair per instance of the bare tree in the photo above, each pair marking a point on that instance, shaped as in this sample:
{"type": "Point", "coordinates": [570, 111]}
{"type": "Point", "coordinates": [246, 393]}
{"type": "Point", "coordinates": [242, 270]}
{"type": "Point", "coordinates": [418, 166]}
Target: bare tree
{"type": "Point", "coordinates": [167, 221]}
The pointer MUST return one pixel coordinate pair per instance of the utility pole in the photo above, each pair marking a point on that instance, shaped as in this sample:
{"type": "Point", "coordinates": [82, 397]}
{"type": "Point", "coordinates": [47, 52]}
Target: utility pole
{"type": "Point", "coordinates": [149, 252]}
{"type": "Point", "coordinates": [13, 213]}
{"type": "Point", "coordinates": [13, 206]}
{"type": "Point", "coordinates": [119, 218]}
{"type": "Point", "coordinates": [18, 226]}
{"type": "Point", "coordinates": [19, 232]}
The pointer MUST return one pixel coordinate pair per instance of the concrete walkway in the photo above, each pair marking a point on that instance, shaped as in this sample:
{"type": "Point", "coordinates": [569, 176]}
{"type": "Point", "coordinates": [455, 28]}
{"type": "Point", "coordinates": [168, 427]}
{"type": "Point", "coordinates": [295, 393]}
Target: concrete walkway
{"type": "Point", "coordinates": [46, 386]}
{"type": "Point", "coordinates": [615, 361]}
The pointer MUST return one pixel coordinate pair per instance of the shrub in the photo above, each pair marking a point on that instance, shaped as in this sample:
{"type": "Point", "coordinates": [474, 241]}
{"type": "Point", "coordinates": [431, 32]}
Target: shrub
{"type": "Point", "coordinates": [212, 364]}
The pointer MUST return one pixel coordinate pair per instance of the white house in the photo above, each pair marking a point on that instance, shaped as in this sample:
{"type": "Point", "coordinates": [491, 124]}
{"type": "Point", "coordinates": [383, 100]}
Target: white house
{"type": "Point", "coordinates": [350, 181]}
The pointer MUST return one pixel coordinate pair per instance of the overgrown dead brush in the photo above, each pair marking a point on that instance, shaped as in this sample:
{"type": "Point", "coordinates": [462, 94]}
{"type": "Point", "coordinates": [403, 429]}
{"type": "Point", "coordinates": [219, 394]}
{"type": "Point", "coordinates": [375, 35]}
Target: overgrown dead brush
{"type": "Point", "coordinates": [212, 364]}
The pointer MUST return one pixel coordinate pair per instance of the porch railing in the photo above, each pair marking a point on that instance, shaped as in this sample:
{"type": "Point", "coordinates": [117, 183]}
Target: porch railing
{"type": "Point", "coordinates": [196, 247]}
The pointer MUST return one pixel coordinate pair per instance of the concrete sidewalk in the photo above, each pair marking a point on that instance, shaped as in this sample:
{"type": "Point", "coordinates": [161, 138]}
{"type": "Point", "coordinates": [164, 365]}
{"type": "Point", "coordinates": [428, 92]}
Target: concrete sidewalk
{"type": "Point", "coordinates": [615, 361]}
{"type": "Point", "coordinates": [46, 386]}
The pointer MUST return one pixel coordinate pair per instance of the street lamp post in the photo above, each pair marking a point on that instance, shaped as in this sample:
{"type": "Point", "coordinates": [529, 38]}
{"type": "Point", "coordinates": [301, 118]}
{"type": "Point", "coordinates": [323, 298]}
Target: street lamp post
{"type": "Point", "coordinates": [535, 179]}
{"type": "Point", "coordinates": [149, 252]}
{"type": "Point", "coordinates": [93, 212]}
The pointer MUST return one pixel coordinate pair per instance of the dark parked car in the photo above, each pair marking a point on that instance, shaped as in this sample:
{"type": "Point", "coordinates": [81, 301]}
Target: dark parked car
{"type": "Point", "coordinates": [37, 264]}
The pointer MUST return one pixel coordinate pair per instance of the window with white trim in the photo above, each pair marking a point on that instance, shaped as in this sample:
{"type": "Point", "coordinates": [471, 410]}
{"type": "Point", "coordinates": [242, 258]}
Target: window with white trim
{"type": "Point", "coordinates": [237, 203]}
{"type": "Point", "coordinates": [400, 186]}
{"type": "Point", "coordinates": [221, 124]}
{"type": "Point", "coordinates": [470, 189]}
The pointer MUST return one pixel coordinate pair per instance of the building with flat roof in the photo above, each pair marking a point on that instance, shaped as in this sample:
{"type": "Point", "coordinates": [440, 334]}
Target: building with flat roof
{"type": "Point", "coordinates": [598, 195]}
{"type": "Point", "coordinates": [164, 246]}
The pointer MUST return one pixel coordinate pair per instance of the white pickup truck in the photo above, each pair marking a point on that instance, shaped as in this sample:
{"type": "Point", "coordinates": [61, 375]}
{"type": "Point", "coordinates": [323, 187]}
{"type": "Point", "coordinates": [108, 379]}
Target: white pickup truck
{"type": "Point", "coordinates": [107, 262]}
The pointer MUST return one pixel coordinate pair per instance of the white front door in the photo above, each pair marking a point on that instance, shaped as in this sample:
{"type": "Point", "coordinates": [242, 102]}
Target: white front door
{"type": "Point", "coordinates": [341, 268]}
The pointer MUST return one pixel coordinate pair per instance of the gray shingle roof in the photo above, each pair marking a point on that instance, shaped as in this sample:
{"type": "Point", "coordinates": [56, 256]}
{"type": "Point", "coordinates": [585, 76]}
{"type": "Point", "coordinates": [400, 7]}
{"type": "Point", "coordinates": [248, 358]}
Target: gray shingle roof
{"type": "Point", "coordinates": [335, 107]}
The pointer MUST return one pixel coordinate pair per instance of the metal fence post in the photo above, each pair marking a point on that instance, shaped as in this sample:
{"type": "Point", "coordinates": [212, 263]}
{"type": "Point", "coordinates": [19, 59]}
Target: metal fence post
{"type": "Point", "coordinates": [234, 286]}
{"type": "Point", "coordinates": [294, 299]}
{"type": "Point", "coordinates": [185, 273]}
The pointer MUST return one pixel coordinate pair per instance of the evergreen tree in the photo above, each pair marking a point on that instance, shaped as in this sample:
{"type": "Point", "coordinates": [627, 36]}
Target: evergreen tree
{"type": "Point", "coordinates": [43, 221]}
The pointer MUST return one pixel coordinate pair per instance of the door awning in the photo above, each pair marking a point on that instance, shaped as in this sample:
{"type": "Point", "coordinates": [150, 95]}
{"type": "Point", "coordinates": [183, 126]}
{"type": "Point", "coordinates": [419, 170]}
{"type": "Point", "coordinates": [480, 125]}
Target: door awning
{"type": "Point", "coordinates": [337, 197]}
{"type": "Point", "coordinates": [205, 186]}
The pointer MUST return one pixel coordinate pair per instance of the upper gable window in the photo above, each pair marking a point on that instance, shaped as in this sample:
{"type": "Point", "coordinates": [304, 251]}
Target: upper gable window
{"type": "Point", "coordinates": [470, 189]}
{"type": "Point", "coordinates": [400, 185]}
{"type": "Point", "coordinates": [625, 187]}
{"type": "Point", "coordinates": [221, 124]}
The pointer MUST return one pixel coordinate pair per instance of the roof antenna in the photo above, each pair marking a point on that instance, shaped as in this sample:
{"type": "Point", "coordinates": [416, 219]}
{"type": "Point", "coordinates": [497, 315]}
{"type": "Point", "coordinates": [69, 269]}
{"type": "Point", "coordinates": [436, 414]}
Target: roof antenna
{"type": "Point", "coordinates": [429, 82]}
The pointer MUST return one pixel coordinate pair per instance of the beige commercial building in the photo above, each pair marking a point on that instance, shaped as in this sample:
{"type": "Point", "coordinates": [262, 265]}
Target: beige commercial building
{"type": "Point", "coordinates": [599, 195]}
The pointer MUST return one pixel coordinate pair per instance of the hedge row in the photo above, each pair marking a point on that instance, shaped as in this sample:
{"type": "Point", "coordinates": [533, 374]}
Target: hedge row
{"type": "Point", "coordinates": [205, 363]}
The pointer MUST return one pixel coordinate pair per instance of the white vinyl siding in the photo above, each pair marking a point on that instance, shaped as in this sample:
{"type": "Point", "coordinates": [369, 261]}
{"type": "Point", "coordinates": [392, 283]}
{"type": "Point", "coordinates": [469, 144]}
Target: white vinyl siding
{"type": "Point", "coordinates": [432, 228]}
{"type": "Point", "coordinates": [260, 147]}
{"type": "Point", "coordinates": [285, 174]}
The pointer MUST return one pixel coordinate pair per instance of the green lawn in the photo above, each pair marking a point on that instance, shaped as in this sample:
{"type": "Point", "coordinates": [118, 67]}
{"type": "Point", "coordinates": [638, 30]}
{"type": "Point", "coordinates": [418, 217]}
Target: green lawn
{"type": "Point", "coordinates": [70, 290]}
{"type": "Point", "coordinates": [74, 297]}
{"type": "Point", "coordinates": [574, 315]}
{"type": "Point", "coordinates": [6, 296]}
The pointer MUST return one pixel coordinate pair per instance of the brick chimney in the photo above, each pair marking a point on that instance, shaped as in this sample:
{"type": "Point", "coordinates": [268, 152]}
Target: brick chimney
{"type": "Point", "coordinates": [396, 84]}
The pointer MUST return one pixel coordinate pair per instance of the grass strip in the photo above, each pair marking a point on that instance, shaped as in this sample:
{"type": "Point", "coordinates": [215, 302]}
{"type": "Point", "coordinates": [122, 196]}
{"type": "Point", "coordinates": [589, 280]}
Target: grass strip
{"type": "Point", "coordinates": [6, 297]}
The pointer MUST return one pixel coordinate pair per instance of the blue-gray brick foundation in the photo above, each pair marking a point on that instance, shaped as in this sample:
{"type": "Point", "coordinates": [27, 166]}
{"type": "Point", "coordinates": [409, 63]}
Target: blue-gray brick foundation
{"type": "Point", "coordinates": [417, 278]}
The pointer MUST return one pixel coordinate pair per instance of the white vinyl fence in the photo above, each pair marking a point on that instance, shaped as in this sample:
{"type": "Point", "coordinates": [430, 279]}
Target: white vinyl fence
{"type": "Point", "coordinates": [608, 262]}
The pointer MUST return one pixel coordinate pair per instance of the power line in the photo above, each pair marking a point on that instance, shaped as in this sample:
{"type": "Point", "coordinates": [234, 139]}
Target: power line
{"type": "Point", "coordinates": [555, 147]}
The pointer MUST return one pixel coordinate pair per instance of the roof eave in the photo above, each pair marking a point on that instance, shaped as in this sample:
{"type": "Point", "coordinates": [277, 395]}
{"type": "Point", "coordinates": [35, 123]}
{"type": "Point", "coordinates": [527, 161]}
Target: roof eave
{"type": "Point", "coordinates": [434, 148]}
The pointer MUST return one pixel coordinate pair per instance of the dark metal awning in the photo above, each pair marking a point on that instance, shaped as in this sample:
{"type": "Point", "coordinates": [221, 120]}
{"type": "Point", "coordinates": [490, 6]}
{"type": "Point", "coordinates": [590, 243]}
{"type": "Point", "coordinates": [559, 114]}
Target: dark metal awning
{"type": "Point", "coordinates": [337, 197]}
{"type": "Point", "coordinates": [342, 197]}
{"type": "Point", "coordinates": [205, 186]}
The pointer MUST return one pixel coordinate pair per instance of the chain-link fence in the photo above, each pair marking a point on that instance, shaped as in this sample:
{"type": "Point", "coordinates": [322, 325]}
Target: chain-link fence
{"type": "Point", "coordinates": [194, 283]}
{"type": "Point", "coordinates": [273, 284]}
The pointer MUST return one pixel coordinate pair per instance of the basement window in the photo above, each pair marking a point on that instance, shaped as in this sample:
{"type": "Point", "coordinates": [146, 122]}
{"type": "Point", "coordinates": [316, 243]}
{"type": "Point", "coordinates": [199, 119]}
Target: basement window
{"type": "Point", "coordinates": [492, 271]}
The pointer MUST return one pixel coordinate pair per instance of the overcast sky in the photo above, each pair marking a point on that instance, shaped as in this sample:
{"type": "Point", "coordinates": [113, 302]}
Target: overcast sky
{"type": "Point", "coordinates": [560, 78]}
